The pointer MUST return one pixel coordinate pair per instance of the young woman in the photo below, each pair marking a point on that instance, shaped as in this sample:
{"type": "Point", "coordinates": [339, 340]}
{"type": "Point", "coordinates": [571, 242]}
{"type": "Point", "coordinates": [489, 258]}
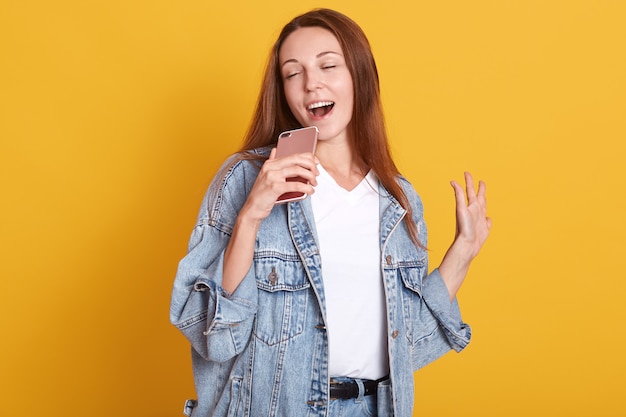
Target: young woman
{"type": "Point", "coordinates": [322, 307]}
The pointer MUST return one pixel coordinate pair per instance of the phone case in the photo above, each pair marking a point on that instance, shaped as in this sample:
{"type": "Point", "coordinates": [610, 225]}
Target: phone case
{"type": "Point", "coordinates": [291, 142]}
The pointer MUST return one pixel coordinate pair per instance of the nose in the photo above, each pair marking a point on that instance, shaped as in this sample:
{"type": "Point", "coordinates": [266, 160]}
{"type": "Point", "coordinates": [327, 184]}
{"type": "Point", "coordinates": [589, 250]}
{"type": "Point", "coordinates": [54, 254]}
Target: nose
{"type": "Point", "coordinates": [313, 83]}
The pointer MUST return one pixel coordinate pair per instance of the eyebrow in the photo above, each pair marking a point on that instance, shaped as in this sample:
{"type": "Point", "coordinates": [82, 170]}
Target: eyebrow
{"type": "Point", "coordinates": [321, 54]}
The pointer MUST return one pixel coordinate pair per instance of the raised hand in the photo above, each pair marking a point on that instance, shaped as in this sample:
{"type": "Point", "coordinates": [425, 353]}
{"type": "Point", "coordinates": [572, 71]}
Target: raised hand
{"type": "Point", "coordinates": [472, 223]}
{"type": "Point", "coordinates": [472, 230]}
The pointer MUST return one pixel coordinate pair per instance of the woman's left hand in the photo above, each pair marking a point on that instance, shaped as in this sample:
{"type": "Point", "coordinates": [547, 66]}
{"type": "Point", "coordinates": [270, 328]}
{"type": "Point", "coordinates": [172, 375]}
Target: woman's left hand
{"type": "Point", "coordinates": [472, 230]}
{"type": "Point", "coordinates": [472, 223]}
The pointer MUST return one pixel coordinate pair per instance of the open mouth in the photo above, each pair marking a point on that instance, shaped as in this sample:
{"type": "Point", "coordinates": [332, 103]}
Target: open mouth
{"type": "Point", "coordinates": [321, 108]}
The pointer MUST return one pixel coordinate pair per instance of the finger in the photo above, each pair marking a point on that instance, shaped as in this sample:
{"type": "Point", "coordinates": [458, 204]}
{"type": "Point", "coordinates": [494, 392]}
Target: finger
{"type": "Point", "coordinates": [290, 185]}
{"type": "Point", "coordinates": [272, 153]}
{"type": "Point", "coordinates": [284, 173]}
{"type": "Point", "coordinates": [469, 186]}
{"type": "Point", "coordinates": [461, 205]}
{"type": "Point", "coordinates": [305, 161]}
{"type": "Point", "coordinates": [482, 193]}
{"type": "Point", "coordinates": [294, 185]}
{"type": "Point", "coordinates": [308, 162]}
{"type": "Point", "coordinates": [302, 173]}
{"type": "Point", "coordinates": [459, 195]}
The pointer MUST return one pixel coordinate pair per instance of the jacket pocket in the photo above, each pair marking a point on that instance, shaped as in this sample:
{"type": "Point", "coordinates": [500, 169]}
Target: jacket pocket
{"type": "Point", "coordinates": [419, 320]}
{"type": "Point", "coordinates": [283, 297]}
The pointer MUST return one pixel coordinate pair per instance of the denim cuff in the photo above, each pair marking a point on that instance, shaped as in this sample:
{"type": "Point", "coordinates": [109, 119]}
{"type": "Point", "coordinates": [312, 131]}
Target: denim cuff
{"type": "Point", "coordinates": [447, 312]}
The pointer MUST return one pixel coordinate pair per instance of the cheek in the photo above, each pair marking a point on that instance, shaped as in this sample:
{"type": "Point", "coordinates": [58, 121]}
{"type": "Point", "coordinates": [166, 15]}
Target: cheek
{"type": "Point", "coordinates": [345, 88]}
{"type": "Point", "coordinates": [291, 97]}
{"type": "Point", "coordinates": [350, 90]}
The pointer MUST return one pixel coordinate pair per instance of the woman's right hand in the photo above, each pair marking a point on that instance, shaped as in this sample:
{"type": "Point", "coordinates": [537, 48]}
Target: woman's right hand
{"type": "Point", "coordinates": [272, 182]}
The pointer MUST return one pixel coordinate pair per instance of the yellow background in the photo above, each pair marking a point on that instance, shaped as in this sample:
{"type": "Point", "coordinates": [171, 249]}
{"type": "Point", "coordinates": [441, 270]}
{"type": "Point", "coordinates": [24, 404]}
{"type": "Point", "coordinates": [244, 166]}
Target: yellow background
{"type": "Point", "coordinates": [114, 115]}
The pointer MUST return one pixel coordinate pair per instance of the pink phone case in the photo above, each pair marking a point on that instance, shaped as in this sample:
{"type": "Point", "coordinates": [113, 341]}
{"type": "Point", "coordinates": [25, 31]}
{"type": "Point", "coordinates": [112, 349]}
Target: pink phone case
{"type": "Point", "coordinates": [291, 142]}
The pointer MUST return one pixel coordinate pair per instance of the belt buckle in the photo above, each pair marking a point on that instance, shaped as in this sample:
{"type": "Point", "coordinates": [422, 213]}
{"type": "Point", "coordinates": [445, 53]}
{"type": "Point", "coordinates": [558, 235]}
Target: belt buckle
{"type": "Point", "coordinates": [334, 383]}
{"type": "Point", "coordinates": [345, 386]}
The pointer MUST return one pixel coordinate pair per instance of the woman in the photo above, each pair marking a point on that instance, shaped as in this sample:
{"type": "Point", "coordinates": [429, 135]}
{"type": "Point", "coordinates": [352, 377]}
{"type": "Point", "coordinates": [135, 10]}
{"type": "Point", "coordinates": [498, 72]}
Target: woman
{"type": "Point", "coordinates": [322, 307]}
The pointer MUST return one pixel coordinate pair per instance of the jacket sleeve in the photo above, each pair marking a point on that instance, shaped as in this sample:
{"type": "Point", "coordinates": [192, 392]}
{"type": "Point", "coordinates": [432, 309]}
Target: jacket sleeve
{"type": "Point", "coordinates": [451, 333]}
{"type": "Point", "coordinates": [218, 325]}
{"type": "Point", "coordinates": [451, 328]}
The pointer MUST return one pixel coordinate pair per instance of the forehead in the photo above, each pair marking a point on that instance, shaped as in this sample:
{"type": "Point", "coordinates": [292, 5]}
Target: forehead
{"type": "Point", "coordinates": [308, 42]}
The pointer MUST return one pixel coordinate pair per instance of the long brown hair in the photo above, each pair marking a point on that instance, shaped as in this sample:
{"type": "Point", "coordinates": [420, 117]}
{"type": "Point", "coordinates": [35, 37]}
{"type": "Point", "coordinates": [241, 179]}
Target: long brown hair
{"type": "Point", "coordinates": [367, 131]}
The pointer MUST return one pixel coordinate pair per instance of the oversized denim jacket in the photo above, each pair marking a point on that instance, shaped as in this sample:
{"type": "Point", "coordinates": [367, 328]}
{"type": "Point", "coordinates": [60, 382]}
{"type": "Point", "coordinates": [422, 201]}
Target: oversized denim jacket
{"type": "Point", "coordinates": [263, 351]}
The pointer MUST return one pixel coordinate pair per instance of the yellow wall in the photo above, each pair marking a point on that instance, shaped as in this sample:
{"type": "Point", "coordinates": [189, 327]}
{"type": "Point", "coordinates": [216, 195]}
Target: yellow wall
{"type": "Point", "coordinates": [115, 114]}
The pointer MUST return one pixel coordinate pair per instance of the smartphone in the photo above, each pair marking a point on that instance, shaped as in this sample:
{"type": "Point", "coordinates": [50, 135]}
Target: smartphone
{"type": "Point", "coordinates": [291, 142]}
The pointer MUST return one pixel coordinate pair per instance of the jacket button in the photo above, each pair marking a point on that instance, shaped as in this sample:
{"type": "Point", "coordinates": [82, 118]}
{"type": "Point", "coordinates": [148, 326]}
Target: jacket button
{"type": "Point", "coordinates": [388, 259]}
{"type": "Point", "coordinates": [273, 276]}
{"type": "Point", "coordinates": [394, 334]}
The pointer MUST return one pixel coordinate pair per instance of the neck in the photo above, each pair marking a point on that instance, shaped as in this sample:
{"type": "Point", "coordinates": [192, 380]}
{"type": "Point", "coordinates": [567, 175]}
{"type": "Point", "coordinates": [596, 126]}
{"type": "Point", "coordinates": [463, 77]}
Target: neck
{"type": "Point", "coordinates": [341, 163]}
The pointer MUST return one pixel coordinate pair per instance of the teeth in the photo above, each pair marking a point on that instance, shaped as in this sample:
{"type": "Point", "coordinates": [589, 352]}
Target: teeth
{"type": "Point", "coordinates": [320, 104]}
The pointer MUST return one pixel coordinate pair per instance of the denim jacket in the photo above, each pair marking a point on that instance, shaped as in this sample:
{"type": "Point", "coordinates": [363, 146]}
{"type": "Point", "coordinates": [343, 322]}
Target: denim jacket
{"type": "Point", "coordinates": [263, 350]}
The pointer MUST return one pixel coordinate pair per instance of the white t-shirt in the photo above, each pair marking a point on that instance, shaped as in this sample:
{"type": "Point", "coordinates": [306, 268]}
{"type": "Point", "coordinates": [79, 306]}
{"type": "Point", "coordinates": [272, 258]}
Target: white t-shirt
{"type": "Point", "coordinates": [348, 225]}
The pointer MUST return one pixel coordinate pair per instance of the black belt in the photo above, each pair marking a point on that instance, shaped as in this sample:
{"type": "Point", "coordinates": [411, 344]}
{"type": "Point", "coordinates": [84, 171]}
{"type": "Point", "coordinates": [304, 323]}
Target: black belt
{"type": "Point", "coordinates": [341, 390]}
